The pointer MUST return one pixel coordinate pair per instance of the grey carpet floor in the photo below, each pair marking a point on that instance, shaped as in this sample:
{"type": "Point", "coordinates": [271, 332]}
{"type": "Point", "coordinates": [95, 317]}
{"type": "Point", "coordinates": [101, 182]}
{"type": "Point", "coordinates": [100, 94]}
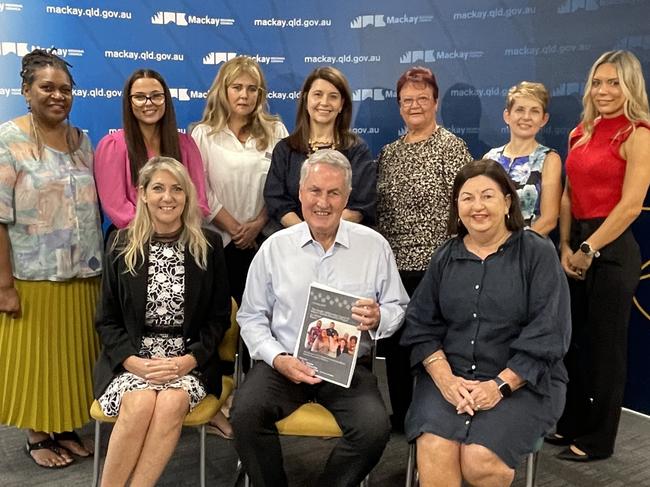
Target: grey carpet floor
{"type": "Point", "coordinates": [629, 467]}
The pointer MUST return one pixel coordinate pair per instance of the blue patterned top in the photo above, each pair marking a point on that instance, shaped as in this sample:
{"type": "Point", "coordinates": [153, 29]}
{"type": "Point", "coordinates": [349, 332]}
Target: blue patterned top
{"type": "Point", "coordinates": [526, 173]}
{"type": "Point", "coordinates": [49, 204]}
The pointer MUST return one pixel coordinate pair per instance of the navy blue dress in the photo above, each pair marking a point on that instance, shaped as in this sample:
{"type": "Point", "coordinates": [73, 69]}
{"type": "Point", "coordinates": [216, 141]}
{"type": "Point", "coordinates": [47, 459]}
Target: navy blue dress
{"type": "Point", "coordinates": [510, 310]}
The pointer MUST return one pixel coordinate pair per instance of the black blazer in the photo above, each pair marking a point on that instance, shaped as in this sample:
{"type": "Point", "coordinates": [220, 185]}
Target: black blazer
{"type": "Point", "coordinates": [121, 311]}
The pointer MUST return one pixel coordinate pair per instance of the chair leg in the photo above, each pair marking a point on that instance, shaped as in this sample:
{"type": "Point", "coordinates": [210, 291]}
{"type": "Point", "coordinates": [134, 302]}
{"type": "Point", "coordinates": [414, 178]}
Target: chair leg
{"type": "Point", "coordinates": [97, 454]}
{"type": "Point", "coordinates": [531, 469]}
{"type": "Point", "coordinates": [202, 458]}
{"type": "Point", "coordinates": [411, 469]}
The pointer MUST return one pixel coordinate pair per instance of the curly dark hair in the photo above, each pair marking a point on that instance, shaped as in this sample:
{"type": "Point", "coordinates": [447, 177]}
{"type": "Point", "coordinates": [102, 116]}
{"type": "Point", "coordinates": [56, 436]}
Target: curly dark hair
{"type": "Point", "coordinates": [39, 59]}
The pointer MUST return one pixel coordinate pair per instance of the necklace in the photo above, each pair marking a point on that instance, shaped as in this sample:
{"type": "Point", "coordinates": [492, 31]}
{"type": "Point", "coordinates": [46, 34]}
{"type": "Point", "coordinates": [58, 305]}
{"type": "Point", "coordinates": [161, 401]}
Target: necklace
{"type": "Point", "coordinates": [41, 139]}
{"type": "Point", "coordinates": [34, 130]}
{"type": "Point", "coordinates": [316, 144]}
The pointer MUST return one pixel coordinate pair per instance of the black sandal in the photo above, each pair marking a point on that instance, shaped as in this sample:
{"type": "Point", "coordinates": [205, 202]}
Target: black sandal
{"type": "Point", "coordinates": [46, 444]}
{"type": "Point", "coordinates": [74, 437]}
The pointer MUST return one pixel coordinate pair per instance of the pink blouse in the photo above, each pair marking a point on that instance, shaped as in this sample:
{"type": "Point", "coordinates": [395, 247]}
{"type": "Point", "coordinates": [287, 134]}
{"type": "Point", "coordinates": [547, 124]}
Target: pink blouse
{"type": "Point", "coordinates": [117, 194]}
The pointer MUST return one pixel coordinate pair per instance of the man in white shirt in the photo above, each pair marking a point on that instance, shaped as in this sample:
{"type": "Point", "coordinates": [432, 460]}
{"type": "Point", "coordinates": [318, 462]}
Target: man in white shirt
{"type": "Point", "coordinates": [339, 254]}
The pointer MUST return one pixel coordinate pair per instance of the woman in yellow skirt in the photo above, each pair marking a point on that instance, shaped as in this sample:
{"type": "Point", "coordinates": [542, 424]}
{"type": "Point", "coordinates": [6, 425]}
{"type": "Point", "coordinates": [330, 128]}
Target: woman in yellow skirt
{"type": "Point", "coordinates": [50, 260]}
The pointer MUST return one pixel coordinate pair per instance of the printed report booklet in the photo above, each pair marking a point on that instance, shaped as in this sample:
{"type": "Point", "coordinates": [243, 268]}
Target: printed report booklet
{"type": "Point", "coordinates": [329, 339]}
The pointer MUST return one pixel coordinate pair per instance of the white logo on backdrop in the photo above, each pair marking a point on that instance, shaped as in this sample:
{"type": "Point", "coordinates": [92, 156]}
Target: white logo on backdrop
{"type": "Point", "coordinates": [376, 94]}
{"type": "Point", "coordinates": [186, 94]}
{"type": "Point", "coordinates": [428, 56]}
{"type": "Point", "coordinates": [218, 57]}
{"type": "Point", "coordinates": [365, 20]}
{"type": "Point", "coordinates": [10, 7]}
{"type": "Point", "coordinates": [380, 20]}
{"type": "Point", "coordinates": [17, 48]}
{"type": "Point", "coordinates": [162, 18]}
{"type": "Point", "coordinates": [432, 55]}
{"type": "Point", "coordinates": [221, 57]}
{"type": "Point", "coordinates": [181, 94]}
{"type": "Point", "coordinates": [22, 48]}
{"type": "Point", "coordinates": [183, 19]}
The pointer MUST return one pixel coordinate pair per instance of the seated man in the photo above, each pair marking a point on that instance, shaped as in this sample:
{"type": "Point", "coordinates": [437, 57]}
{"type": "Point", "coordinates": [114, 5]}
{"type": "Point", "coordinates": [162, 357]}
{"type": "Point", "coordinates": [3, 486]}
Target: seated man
{"type": "Point", "coordinates": [336, 253]}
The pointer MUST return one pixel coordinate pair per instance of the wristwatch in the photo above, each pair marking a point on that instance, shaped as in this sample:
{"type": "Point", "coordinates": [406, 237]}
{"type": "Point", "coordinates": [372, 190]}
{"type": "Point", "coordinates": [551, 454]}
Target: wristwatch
{"type": "Point", "coordinates": [586, 248]}
{"type": "Point", "coordinates": [504, 387]}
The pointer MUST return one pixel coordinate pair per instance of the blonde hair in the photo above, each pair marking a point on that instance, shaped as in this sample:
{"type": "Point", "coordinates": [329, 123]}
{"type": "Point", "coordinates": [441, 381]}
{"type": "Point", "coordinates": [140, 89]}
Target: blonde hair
{"type": "Point", "coordinates": [217, 107]}
{"type": "Point", "coordinates": [528, 89]}
{"type": "Point", "coordinates": [630, 77]}
{"type": "Point", "coordinates": [141, 229]}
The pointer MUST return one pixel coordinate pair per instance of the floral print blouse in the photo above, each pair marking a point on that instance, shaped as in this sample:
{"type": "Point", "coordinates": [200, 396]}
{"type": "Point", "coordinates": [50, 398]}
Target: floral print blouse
{"type": "Point", "coordinates": [49, 204]}
{"type": "Point", "coordinates": [526, 173]}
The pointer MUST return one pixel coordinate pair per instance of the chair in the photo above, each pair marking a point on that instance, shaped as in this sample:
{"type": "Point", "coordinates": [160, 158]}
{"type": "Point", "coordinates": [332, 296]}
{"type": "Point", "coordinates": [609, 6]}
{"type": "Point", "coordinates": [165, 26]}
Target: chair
{"type": "Point", "coordinates": [311, 419]}
{"type": "Point", "coordinates": [202, 413]}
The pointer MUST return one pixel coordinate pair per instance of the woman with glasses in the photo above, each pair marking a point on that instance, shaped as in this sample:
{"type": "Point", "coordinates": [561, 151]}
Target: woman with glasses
{"type": "Point", "coordinates": [149, 129]}
{"type": "Point", "coordinates": [322, 122]}
{"type": "Point", "coordinates": [425, 160]}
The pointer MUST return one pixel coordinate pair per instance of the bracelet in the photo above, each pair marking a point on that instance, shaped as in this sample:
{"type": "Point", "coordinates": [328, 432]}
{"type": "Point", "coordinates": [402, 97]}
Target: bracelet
{"type": "Point", "coordinates": [432, 359]}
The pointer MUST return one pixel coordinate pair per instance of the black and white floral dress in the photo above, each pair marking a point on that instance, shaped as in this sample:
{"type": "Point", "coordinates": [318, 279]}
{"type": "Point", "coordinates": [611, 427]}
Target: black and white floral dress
{"type": "Point", "coordinates": [163, 332]}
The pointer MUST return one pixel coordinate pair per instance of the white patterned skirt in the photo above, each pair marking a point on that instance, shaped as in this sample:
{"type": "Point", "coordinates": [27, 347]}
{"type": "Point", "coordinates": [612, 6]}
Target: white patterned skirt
{"type": "Point", "coordinates": [153, 345]}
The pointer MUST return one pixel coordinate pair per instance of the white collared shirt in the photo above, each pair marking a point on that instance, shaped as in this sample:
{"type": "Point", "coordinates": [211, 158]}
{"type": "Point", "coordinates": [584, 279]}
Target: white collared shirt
{"type": "Point", "coordinates": [235, 171]}
{"type": "Point", "coordinates": [360, 262]}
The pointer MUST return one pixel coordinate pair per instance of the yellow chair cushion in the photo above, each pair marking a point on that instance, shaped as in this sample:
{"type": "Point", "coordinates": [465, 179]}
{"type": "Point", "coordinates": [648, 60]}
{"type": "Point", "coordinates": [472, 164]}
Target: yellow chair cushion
{"type": "Point", "coordinates": [310, 419]}
{"type": "Point", "coordinates": [228, 345]}
{"type": "Point", "coordinates": [209, 406]}
{"type": "Point", "coordinates": [201, 414]}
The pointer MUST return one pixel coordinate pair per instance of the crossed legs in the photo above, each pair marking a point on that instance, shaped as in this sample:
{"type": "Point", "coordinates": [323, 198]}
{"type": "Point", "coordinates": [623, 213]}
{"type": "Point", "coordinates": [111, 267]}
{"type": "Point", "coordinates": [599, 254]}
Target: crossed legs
{"type": "Point", "coordinates": [445, 463]}
{"type": "Point", "coordinates": [144, 436]}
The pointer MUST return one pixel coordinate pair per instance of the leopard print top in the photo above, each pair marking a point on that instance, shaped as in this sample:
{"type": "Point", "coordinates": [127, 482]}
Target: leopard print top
{"type": "Point", "coordinates": [414, 182]}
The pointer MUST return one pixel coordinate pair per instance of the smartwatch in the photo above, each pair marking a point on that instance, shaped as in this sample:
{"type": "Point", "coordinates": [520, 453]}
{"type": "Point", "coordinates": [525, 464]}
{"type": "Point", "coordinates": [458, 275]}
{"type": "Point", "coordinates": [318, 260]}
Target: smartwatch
{"type": "Point", "coordinates": [504, 387]}
{"type": "Point", "coordinates": [586, 248]}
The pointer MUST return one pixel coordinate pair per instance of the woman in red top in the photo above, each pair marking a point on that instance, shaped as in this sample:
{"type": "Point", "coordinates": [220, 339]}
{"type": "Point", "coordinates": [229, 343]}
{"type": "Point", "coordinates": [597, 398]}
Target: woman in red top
{"type": "Point", "coordinates": [608, 173]}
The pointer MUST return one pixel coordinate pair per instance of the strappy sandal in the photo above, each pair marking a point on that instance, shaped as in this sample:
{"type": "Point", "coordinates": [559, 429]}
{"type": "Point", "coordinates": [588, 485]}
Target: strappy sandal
{"type": "Point", "coordinates": [73, 437]}
{"type": "Point", "coordinates": [215, 428]}
{"type": "Point", "coordinates": [46, 444]}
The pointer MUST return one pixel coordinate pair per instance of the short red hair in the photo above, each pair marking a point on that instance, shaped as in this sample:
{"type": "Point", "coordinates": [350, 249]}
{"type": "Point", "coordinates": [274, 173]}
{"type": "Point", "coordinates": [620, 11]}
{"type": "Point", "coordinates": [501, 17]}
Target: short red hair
{"type": "Point", "coordinates": [418, 75]}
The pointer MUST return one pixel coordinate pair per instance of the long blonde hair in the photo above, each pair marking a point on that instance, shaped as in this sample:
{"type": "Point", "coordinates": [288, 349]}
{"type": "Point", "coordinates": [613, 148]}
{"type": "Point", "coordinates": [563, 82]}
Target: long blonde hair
{"type": "Point", "coordinates": [139, 232]}
{"type": "Point", "coordinates": [217, 109]}
{"type": "Point", "coordinates": [630, 76]}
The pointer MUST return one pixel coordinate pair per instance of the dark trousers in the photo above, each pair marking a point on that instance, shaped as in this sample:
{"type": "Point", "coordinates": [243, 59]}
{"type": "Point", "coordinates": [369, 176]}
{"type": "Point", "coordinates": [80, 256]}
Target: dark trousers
{"type": "Point", "coordinates": [398, 369]}
{"type": "Point", "coordinates": [266, 396]}
{"type": "Point", "coordinates": [237, 262]}
{"type": "Point", "coordinates": [597, 358]}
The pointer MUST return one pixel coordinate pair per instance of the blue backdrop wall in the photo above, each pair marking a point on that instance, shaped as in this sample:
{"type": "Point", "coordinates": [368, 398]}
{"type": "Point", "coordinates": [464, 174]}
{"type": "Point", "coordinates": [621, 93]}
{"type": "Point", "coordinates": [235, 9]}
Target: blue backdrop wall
{"type": "Point", "coordinates": [477, 49]}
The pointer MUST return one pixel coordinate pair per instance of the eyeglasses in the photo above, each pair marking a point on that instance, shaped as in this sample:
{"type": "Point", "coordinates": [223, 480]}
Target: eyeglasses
{"type": "Point", "coordinates": [140, 99]}
{"type": "Point", "coordinates": [422, 101]}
